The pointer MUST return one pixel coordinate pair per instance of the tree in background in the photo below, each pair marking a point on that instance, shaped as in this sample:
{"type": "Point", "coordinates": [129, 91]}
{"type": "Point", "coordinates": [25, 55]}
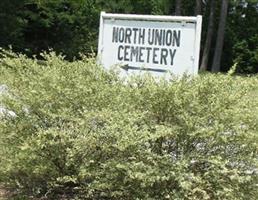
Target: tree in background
{"type": "Point", "coordinates": [65, 26]}
{"type": "Point", "coordinates": [208, 40]}
{"type": "Point", "coordinates": [243, 32]}
{"type": "Point", "coordinates": [178, 7]}
{"type": "Point", "coordinates": [220, 37]}
{"type": "Point", "coordinates": [12, 25]}
{"type": "Point", "coordinates": [71, 27]}
{"type": "Point", "coordinates": [198, 8]}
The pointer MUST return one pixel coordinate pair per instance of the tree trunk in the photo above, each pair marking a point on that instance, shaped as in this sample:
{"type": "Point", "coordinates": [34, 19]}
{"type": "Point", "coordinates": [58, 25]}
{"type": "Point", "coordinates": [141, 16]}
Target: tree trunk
{"type": "Point", "coordinates": [207, 46]}
{"type": "Point", "coordinates": [178, 7]}
{"type": "Point", "coordinates": [220, 37]}
{"type": "Point", "coordinates": [198, 8]}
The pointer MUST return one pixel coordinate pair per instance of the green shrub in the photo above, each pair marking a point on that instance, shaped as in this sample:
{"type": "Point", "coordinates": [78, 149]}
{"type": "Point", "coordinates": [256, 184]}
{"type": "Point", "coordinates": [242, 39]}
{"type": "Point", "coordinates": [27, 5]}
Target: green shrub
{"type": "Point", "coordinates": [82, 133]}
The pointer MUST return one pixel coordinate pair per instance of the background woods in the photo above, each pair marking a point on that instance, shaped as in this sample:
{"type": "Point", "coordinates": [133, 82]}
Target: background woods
{"type": "Point", "coordinates": [230, 31]}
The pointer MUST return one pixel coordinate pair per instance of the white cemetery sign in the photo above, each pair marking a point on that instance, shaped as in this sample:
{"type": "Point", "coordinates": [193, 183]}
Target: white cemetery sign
{"type": "Point", "coordinates": [158, 44]}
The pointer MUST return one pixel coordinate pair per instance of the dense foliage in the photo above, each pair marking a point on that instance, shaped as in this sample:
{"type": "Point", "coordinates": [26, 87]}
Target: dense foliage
{"type": "Point", "coordinates": [82, 133]}
{"type": "Point", "coordinates": [245, 42]}
{"type": "Point", "coordinates": [71, 26]}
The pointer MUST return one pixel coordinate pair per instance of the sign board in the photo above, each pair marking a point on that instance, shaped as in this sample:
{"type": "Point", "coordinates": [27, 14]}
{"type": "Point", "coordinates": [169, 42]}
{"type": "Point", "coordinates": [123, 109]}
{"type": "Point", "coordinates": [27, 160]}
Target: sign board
{"type": "Point", "coordinates": [158, 44]}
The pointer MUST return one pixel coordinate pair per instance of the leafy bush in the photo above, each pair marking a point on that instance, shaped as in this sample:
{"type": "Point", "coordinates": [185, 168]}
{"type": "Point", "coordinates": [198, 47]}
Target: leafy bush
{"type": "Point", "coordinates": [82, 133]}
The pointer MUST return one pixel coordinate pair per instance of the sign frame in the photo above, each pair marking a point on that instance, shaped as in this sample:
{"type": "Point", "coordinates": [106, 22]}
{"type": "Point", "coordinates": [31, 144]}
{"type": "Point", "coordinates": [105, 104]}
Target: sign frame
{"type": "Point", "coordinates": [156, 18]}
